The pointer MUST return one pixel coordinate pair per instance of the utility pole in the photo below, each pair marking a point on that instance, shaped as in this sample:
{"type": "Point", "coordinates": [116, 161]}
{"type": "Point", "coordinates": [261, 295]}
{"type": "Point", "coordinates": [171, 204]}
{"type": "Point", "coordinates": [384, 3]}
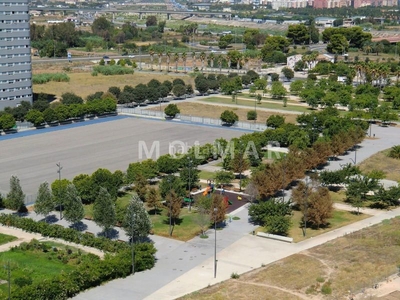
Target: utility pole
{"type": "Point", "coordinates": [170, 206]}
{"type": "Point", "coordinates": [140, 58]}
{"type": "Point", "coordinates": [133, 246]}
{"type": "Point", "coordinates": [59, 187]}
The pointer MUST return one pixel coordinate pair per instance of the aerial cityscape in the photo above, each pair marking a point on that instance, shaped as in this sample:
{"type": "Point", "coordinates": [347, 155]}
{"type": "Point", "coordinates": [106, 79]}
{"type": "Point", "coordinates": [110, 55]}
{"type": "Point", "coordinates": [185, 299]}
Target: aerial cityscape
{"type": "Point", "coordinates": [192, 150]}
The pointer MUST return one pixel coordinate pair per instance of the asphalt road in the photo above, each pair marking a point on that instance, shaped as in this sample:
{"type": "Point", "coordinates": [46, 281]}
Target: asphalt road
{"type": "Point", "coordinates": [111, 144]}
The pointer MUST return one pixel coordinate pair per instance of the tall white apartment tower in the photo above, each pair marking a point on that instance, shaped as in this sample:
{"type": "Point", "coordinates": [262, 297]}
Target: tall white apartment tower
{"type": "Point", "coordinates": [15, 53]}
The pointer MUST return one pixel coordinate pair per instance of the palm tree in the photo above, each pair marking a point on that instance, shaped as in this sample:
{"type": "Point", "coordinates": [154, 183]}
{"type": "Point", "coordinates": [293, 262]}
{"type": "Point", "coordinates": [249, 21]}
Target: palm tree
{"type": "Point", "coordinates": [238, 62]}
{"type": "Point", "coordinates": [184, 56]}
{"type": "Point", "coordinates": [176, 60]}
{"type": "Point", "coordinates": [203, 57]}
{"type": "Point", "coordinates": [367, 48]}
{"type": "Point", "coordinates": [151, 53]}
{"type": "Point", "coordinates": [160, 54]}
{"type": "Point", "coordinates": [229, 59]}
{"type": "Point", "coordinates": [211, 58]}
{"type": "Point", "coordinates": [246, 62]}
{"type": "Point", "coordinates": [219, 61]}
{"type": "Point", "coordinates": [168, 54]}
{"type": "Point", "coordinates": [194, 59]}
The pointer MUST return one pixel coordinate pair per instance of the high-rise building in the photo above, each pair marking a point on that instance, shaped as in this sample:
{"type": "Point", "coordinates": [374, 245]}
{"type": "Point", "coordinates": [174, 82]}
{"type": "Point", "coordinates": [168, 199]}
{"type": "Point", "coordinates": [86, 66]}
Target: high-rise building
{"type": "Point", "coordinates": [15, 53]}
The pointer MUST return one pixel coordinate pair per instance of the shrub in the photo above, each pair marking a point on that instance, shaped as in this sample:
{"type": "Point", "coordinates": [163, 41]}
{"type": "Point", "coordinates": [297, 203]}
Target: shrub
{"type": "Point", "coordinates": [235, 275]}
{"type": "Point", "coordinates": [326, 289]}
{"type": "Point", "coordinates": [46, 77]}
{"type": "Point", "coordinates": [395, 152]}
{"type": "Point", "coordinates": [229, 117]}
{"type": "Point", "coordinates": [251, 115]}
{"type": "Point", "coordinates": [171, 110]}
{"type": "Point", "coordinates": [113, 70]}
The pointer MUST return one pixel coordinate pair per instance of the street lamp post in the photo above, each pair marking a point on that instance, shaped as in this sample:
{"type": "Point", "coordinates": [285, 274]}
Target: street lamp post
{"type": "Point", "coordinates": [59, 187]}
{"type": "Point", "coordinates": [215, 242]}
{"type": "Point", "coordinates": [255, 109]}
{"type": "Point", "coordinates": [190, 185]}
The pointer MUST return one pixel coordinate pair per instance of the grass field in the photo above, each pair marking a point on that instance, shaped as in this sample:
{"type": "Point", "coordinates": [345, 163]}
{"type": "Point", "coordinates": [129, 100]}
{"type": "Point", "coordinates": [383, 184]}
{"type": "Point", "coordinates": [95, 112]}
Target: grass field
{"type": "Point", "coordinates": [380, 161]}
{"type": "Point", "coordinates": [34, 264]}
{"type": "Point", "coordinates": [84, 84]}
{"type": "Point", "coordinates": [5, 238]}
{"type": "Point", "coordinates": [206, 175]}
{"type": "Point", "coordinates": [185, 229]}
{"type": "Point", "coordinates": [201, 109]}
{"type": "Point", "coordinates": [278, 105]}
{"type": "Point", "coordinates": [333, 270]}
{"type": "Point", "coordinates": [340, 218]}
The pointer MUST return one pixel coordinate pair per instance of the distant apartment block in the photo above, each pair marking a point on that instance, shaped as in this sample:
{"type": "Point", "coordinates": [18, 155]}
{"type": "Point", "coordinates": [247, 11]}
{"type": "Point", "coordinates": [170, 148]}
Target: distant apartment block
{"type": "Point", "coordinates": [15, 53]}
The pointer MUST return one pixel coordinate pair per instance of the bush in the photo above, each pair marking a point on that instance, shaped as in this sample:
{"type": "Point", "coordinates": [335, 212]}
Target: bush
{"type": "Point", "coordinates": [251, 115]}
{"type": "Point", "coordinates": [113, 70]}
{"type": "Point", "coordinates": [326, 289]}
{"type": "Point", "coordinates": [395, 152]}
{"type": "Point", "coordinates": [46, 77]}
{"type": "Point", "coordinates": [229, 117]}
{"type": "Point", "coordinates": [171, 110]}
{"type": "Point", "coordinates": [235, 275]}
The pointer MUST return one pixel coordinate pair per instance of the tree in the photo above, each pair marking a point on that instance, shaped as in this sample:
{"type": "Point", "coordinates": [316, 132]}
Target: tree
{"type": "Point", "coordinates": [174, 204]}
{"type": "Point", "coordinates": [58, 189]}
{"type": "Point", "coordinates": [357, 190]}
{"type": "Point", "coordinates": [299, 34]}
{"type": "Point", "coordinates": [394, 152]}
{"type": "Point", "coordinates": [338, 44]}
{"type": "Point", "coordinates": [73, 207]}
{"type": "Point", "coordinates": [189, 175]}
{"type": "Point", "coordinates": [167, 164]}
{"type": "Point", "coordinates": [153, 199]}
{"type": "Point", "coordinates": [172, 182]}
{"type": "Point", "coordinates": [44, 201]}
{"type": "Point", "coordinates": [7, 121]}
{"type": "Point", "coordinates": [15, 197]}
{"type": "Point", "coordinates": [288, 73]}
{"type": "Point", "coordinates": [84, 185]}
{"type": "Point", "coordinates": [202, 85]}
{"type": "Point", "coordinates": [320, 207]}
{"type": "Point", "coordinates": [171, 110]}
{"type": "Point", "coordinates": [71, 98]}
{"type": "Point", "coordinates": [218, 208]}
{"type": "Point", "coordinates": [35, 117]}
{"type": "Point", "coordinates": [104, 210]}
{"type": "Point", "coordinates": [275, 121]}
{"type": "Point", "coordinates": [137, 223]}
{"type": "Point", "coordinates": [278, 90]}
{"type": "Point", "coordinates": [179, 90]}
{"type": "Point", "coordinates": [151, 21]}
{"type": "Point", "coordinates": [224, 177]}
{"type": "Point", "coordinates": [229, 117]}
{"type": "Point", "coordinates": [50, 115]}
{"type": "Point", "coordinates": [203, 216]}
{"type": "Point", "coordinates": [273, 214]}
{"type": "Point", "coordinates": [140, 186]}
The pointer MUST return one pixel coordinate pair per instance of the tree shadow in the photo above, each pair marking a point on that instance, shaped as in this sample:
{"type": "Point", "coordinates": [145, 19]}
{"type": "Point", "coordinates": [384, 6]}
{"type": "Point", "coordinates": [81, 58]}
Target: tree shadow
{"type": "Point", "coordinates": [177, 221]}
{"type": "Point", "coordinates": [51, 219]}
{"type": "Point", "coordinates": [110, 233]}
{"type": "Point", "coordinates": [155, 211]}
{"type": "Point", "coordinates": [80, 226]}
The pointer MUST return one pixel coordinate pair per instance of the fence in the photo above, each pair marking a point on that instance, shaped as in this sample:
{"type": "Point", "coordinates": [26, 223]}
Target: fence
{"type": "Point", "coordinates": [29, 199]}
{"type": "Point", "coordinates": [192, 119]}
{"type": "Point", "coordinates": [23, 125]}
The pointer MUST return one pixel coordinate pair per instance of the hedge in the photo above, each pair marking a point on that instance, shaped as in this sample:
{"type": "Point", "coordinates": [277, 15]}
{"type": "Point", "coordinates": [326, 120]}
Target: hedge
{"type": "Point", "coordinates": [89, 274]}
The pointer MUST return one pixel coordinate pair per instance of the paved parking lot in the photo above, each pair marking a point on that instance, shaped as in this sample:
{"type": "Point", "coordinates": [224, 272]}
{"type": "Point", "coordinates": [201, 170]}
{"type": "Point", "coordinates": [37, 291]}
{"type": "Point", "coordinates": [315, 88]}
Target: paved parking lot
{"type": "Point", "coordinates": [84, 149]}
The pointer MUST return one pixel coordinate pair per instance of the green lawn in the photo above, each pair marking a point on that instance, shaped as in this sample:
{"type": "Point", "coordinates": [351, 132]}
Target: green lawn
{"type": "Point", "coordinates": [121, 202]}
{"type": "Point", "coordinates": [5, 238]}
{"type": "Point", "coordinates": [206, 175]}
{"type": "Point", "coordinates": [340, 218]}
{"type": "Point", "coordinates": [36, 265]}
{"type": "Point", "coordinates": [278, 105]}
{"type": "Point", "coordinates": [185, 230]}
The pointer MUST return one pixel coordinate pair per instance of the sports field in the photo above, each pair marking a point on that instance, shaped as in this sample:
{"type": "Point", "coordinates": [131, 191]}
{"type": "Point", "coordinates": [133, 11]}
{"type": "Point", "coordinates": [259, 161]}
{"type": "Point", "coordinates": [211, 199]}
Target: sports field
{"type": "Point", "coordinates": [84, 149]}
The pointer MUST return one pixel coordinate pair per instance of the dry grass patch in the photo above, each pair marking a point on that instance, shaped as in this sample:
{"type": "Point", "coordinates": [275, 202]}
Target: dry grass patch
{"type": "Point", "coordinates": [215, 111]}
{"type": "Point", "coordinates": [84, 84]}
{"type": "Point", "coordinates": [289, 273]}
{"type": "Point", "coordinates": [347, 264]}
{"type": "Point", "coordinates": [338, 197]}
{"type": "Point", "coordinates": [380, 161]}
{"type": "Point", "coordinates": [236, 289]}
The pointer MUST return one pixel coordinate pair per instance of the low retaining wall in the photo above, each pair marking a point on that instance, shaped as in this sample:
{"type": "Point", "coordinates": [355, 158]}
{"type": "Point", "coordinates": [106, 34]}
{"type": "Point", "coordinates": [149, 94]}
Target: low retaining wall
{"type": "Point", "coordinates": [275, 237]}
